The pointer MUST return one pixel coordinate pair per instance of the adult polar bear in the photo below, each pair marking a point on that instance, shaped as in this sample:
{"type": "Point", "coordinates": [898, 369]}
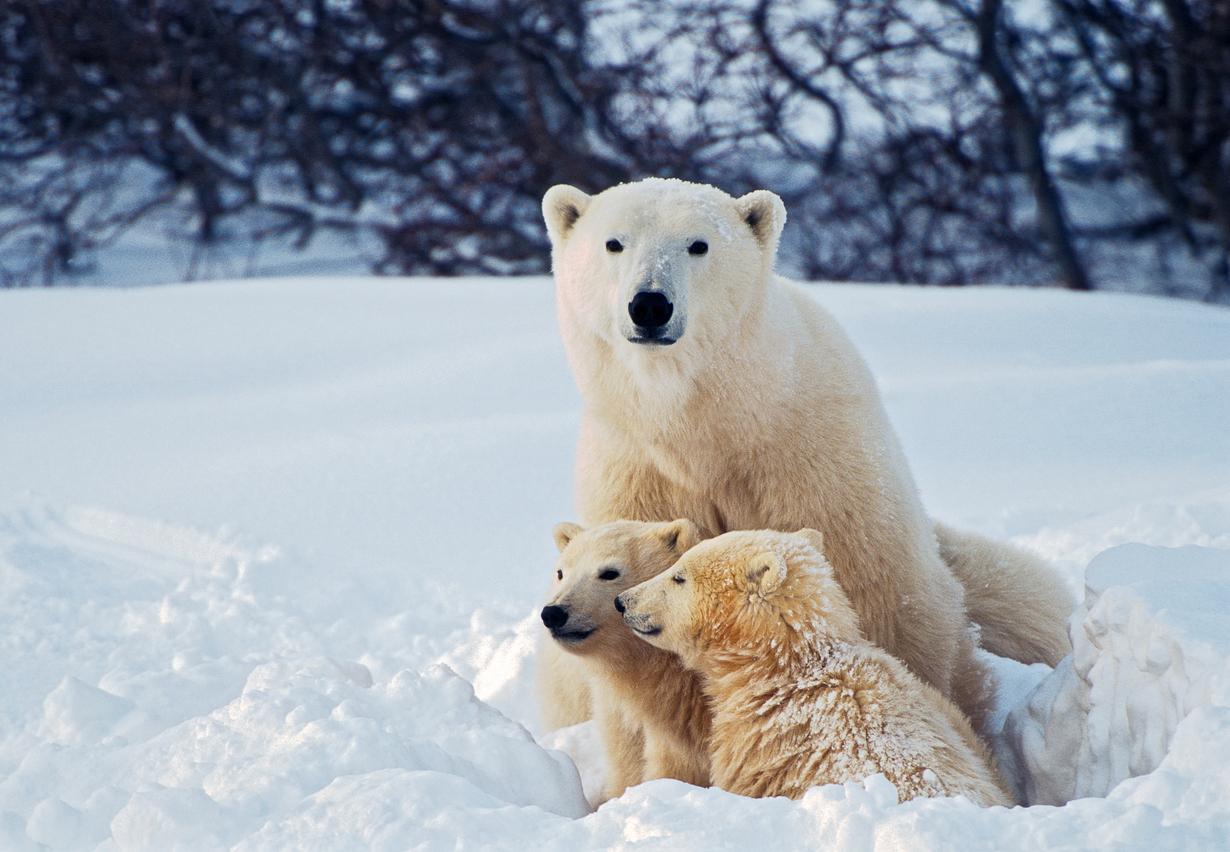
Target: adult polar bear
{"type": "Point", "coordinates": [715, 390]}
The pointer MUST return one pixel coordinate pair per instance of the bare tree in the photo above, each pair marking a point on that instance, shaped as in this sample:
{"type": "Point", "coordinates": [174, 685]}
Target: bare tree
{"type": "Point", "coordinates": [430, 127]}
{"type": "Point", "coordinates": [1161, 74]}
{"type": "Point", "coordinates": [934, 141]}
{"type": "Point", "coordinates": [1025, 130]}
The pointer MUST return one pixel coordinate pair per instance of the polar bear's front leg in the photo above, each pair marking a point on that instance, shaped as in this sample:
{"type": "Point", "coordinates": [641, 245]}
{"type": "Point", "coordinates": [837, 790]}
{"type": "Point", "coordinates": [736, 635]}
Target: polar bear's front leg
{"type": "Point", "coordinates": [624, 743]}
{"type": "Point", "coordinates": [563, 687]}
{"type": "Point", "coordinates": [665, 757]}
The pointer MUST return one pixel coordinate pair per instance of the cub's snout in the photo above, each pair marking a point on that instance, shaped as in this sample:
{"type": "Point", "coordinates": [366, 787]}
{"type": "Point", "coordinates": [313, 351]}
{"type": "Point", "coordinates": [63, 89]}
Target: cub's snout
{"type": "Point", "coordinates": [554, 617]}
{"type": "Point", "coordinates": [566, 629]}
{"type": "Point", "coordinates": [640, 622]}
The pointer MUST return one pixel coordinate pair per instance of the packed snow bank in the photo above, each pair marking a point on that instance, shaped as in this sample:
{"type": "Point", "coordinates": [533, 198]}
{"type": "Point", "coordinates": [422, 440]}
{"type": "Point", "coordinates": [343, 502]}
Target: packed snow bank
{"type": "Point", "coordinates": [272, 513]}
{"type": "Point", "coordinates": [1151, 645]}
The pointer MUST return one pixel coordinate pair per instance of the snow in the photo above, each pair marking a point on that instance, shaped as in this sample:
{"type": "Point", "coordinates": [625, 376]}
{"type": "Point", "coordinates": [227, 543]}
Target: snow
{"type": "Point", "coordinates": [1150, 646]}
{"type": "Point", "coordinates": [270, 553]}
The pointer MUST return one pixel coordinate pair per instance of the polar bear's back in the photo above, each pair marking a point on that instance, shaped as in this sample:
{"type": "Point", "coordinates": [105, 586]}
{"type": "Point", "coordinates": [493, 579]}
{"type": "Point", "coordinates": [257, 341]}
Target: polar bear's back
{"type": "Point", "coordinates": [859, 714]}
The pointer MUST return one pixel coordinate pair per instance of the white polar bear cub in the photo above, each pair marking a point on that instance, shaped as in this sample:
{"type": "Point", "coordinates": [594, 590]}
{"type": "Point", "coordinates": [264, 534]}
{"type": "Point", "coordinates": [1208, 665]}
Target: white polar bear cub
{"type": "Point", "coordinates": [715, 390]}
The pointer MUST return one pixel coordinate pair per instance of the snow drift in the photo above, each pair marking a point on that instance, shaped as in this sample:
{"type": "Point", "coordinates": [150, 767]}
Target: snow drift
{"type": "Point", "coordinates": [1150, 646]}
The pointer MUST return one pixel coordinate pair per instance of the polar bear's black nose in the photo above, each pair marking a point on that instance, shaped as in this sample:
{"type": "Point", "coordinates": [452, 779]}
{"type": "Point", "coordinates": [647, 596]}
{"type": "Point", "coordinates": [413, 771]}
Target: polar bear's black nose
{"type": "Point", "coordinates": [619, 604]}
{"type": "Point", "coordinates": [650, 310]}
{"type": "Point", "coordinates": [554, 617]}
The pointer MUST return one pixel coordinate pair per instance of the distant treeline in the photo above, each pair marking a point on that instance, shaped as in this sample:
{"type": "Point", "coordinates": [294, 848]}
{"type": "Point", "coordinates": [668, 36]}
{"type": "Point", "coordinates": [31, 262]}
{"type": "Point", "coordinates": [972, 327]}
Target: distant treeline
{"type": "Point", "coordinates": [1084, 143]}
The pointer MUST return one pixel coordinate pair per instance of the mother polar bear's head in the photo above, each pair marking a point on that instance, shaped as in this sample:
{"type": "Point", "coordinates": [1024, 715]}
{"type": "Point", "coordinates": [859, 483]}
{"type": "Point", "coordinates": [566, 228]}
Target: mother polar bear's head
{"type": "Point", "coordinates": [661, 266]}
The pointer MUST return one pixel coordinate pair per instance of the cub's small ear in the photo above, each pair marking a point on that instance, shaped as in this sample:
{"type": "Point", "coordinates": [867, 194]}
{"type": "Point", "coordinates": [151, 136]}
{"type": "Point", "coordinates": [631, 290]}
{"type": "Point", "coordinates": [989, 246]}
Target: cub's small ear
{"type": "Point", "coordinates": [766, 572]}
{"type": "Point", "coordinates": [765, 214]}
{"type": "Point", "coordinates": [562, 206]}
{"type": "Point", "coordinates": [680, 535]}
{"type": "Point", "coordinates": [565, 533]}
{"type": "Point", "coordinates": [814, 537]}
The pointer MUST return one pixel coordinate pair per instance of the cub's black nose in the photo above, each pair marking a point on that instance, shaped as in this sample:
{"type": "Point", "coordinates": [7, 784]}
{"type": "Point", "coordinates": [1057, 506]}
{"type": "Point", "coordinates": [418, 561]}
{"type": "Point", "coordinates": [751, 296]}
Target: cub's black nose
{"type": "Point", "coordinates": [554, 616]}
{"type": "Point", "coordinates": [650, 310]}
{"type": "Point", "coordinates": [619, 605]}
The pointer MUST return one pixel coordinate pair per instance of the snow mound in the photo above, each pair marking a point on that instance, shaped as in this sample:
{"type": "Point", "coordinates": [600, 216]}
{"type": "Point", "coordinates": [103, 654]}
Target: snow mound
{"type": "Point", "coordinates": [298, 726]}
{"type": "Point", "coordinates": [1150, 649]}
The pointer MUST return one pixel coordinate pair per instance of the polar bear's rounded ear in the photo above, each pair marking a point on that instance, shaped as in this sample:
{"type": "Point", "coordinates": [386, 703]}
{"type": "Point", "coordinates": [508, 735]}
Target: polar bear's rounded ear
{"type": "Point", "coordinates": [814, 537]}
{"type": "Point", "coordinates": [562, 206]}
{"type": "Point", "coordinates": [765, 214]}
{"type": "Point", "coordinates": [565, 533]}
{"type": "Point", "coordinates": [680, 535]}
{"type": "Point", "coordinates": [766, 572]}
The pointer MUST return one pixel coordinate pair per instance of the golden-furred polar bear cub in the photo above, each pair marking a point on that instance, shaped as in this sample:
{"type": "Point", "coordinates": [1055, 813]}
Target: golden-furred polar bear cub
{"type": "Point", "coordinates": [650, 710]}
{"type": "Point", "coordinates": [799, 697]}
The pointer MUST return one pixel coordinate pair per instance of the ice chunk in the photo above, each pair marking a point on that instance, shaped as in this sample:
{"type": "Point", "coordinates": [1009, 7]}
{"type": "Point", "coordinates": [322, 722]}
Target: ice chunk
{"type": "Point", "coordinates": [75, 713]}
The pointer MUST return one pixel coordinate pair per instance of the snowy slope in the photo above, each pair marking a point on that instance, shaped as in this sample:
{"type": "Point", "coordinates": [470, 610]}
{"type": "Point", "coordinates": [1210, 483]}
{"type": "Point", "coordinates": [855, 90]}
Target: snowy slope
{"type": "Point", "coordinates": [244, 526]}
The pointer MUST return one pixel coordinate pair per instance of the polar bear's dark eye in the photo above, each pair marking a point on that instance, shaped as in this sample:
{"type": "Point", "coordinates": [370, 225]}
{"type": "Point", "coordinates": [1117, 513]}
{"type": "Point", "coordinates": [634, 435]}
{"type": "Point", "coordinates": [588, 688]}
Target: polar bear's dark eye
{"type": "Point", "coordinates": [678, 578]}
{"type": "Point", "coordinates": [698, 247]}
{"type": "Point", "coordinates": [609, 574]}
{"type": "Point", "coordinates": [614, 246]}
{"type": "Point", "coordinates": [559, 574]}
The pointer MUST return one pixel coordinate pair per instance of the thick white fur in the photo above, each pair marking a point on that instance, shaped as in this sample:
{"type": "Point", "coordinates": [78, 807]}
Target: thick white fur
{"type": "Point", "coordinates": [762, 415]}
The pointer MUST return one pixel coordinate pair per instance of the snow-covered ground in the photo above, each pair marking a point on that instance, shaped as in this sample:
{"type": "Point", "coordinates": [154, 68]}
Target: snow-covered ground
{"type": "Point", "coordinates": [270, 553]}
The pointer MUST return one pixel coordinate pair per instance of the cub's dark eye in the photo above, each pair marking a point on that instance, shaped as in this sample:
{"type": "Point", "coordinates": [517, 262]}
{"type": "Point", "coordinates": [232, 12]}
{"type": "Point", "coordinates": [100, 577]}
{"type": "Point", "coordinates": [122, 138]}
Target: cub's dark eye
{"type": "Point", "coordinates": [609, 574]}
{"type": "Point", "coordinates": [614, 246]}
{"type": "Point", "coordinates": [678, 578]}
{"type": "Point", "coordinates": [698, 247]}
{"type": "Point", "coordinates": [559, 574]}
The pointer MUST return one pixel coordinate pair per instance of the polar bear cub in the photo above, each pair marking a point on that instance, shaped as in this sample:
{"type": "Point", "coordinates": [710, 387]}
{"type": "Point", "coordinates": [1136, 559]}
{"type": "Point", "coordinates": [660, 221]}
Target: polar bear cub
{"type": "Point", "coordinates": [799, 697]}
{"type": "Point", "coordinates": [650, 710]}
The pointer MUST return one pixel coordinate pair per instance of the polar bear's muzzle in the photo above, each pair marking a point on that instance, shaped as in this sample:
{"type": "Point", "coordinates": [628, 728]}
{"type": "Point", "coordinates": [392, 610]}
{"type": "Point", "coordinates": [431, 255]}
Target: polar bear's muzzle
{"type": "Point", "coordinates": [639, 622]}
{"type": "Point", "coordinates": [565, 629]}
